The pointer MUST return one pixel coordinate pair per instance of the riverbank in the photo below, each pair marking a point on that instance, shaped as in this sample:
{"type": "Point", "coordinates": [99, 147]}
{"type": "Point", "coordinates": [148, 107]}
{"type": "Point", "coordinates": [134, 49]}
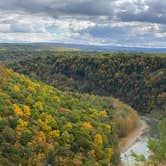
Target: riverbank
{"type": "Point", "coordinates": [126, 142]}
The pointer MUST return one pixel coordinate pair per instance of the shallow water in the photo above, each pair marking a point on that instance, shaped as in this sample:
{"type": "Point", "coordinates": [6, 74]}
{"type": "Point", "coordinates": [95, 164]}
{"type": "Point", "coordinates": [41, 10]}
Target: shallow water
{"type": "Point", "coordinates": [139, 146]}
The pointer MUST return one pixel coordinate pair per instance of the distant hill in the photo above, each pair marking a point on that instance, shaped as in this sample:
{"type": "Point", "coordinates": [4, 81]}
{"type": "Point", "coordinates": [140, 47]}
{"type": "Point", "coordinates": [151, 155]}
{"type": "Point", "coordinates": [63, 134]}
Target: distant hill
{"type": "Point", "coordinates": [33, 47]}
{"type": "Point", "coordinates": [76, 47]}
{"type": "Point", "coordinates": [112, 48]}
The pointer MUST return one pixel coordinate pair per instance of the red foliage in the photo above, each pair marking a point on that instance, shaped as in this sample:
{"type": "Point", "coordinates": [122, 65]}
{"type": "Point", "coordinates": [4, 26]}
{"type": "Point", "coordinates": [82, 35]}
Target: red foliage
{"type": "Point", "coordinates": [62, 109]}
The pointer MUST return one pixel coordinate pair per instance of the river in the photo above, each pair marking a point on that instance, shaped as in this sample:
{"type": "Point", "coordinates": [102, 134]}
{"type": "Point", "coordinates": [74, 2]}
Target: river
{"type": "Point", "coordinates": [140, 143]}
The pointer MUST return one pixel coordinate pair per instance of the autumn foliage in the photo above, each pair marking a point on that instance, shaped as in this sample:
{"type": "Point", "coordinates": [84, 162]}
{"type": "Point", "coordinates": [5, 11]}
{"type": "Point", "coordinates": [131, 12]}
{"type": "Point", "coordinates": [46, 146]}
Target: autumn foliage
{"type": "Point", "coordinates": [40, 125]}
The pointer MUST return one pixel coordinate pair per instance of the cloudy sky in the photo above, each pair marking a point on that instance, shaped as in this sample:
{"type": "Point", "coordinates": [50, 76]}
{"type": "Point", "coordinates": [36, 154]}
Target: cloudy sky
{"type": "Point", "coordinates": [98, 22]}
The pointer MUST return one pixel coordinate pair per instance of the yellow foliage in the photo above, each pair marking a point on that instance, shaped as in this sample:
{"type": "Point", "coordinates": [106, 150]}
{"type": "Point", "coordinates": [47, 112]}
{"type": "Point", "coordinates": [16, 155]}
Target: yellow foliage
{"type": "Point", "coordinates": [39, 121]}
{"type": "Point", "coordinates": [103, 114]}
{"type": "Point", "coordinates": [22, 123]}
{"type": "Point", "coordinates": [41, 137]}
{"type": "Point", "coordinates": [98, 140]}
{"type": "Point", "coordinates": [16, 88]}
{"type": "Point", "coordinates": [40, 157]}
{"type": "Point", "coordinates": [108, 127]}
{"type": "Point", "coordinates": [21, 126]}
{"type": "Point", "coordinates": [32, 89]}
{"type": "Point", "coordinates": [18, 130]}
{"type": "Point", "coordinates": [17, 110]}
{"type": "Point", "coordinates": [54, 134]}
{"type": "Point", "coordinates": [57, 99]}
{"type": "Point", "coordinates": [26, 111]}
{"type": "Point", "coordinates": [69, 125]}
{"type": "Point", "coordinates": [110, 152]}
{"type": "Point", "coordinates": [86, 125]}
{"type": "Point", "coordinates": [43, 125]}
{"type": "Point", "coordinates": [48, 118]}
{"type": "Point", "coordinates": [38, 105]}
{"type": "Point", "coordinates": [95, 113]}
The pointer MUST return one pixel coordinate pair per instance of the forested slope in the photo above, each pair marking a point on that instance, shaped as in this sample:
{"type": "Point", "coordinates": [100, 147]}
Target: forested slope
{"type": "Point", "coordinates": [137, 79]}
{"type": "Point", "coordinates": [40, 125]}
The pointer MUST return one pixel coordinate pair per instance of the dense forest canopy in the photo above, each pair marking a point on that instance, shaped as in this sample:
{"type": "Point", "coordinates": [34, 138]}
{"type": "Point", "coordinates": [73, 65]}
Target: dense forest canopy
{"type": "Point", "coordinates": [137, 79]}
{"type": "Point", "coordinates": [40, 124]}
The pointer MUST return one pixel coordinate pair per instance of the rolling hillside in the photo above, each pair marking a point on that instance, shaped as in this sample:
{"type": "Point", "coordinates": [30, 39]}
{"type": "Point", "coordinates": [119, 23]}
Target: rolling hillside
{"type": "Point", "coordinates": [42, 125]}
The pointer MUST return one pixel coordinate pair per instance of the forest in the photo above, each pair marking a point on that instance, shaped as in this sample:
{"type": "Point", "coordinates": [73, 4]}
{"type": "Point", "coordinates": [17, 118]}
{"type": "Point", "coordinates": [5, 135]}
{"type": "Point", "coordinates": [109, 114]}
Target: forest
{"type": "Point", "coordinates": [61, 108]}
{"type": "Point", "coordinates": [40, 124]}
{"type": "Point", "coordinates": [137, 79]}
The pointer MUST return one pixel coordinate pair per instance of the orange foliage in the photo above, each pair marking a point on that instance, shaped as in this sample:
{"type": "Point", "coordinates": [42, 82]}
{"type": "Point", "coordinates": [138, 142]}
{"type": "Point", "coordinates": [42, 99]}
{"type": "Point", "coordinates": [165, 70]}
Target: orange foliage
{"type": "Point", "coordinates": [86, 125]}
{"type": "Point", "coordinates": [41, 137]}
{"type": "Point", "coordinates": [17, 110]}
{"type": "Point", "coordinates": [92, 153]}
{"type": "Point", "coordinates": [26, 111]}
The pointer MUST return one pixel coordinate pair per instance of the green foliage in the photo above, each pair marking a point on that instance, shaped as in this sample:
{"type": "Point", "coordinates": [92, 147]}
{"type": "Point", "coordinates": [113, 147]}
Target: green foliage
{"type": "Point", "coordinates": [138, 158]}
{"type": "Point", "coordinates": [137, 79]}
{"type": "Point", "coordinates": [158, 146]}
{"type": "Point", "coordinates": [42, 125]}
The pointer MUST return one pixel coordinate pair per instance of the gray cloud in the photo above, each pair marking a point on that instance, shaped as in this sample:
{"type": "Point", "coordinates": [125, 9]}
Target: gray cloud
{"type": "Point", "coordinates": [105, 21]}
{"type": "Point", "coordinates": [151, 11]}
{"type": "Point", "coordinates": [58, 8]}
{"type": "Point", "coordinates": [21, 28]}
{"type": "Point", "coordinates": [139, 10]}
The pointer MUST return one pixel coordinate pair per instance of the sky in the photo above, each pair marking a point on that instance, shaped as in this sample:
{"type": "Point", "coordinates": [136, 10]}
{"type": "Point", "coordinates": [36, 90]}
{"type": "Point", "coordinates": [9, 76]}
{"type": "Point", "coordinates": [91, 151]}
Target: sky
{"type": "Point", "coordinates": [132, 23]}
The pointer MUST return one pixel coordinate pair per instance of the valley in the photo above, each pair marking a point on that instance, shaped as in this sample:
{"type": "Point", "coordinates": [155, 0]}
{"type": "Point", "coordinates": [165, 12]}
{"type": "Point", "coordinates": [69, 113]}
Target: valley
{"type": "Point", "coordinates": [82, 82]}
{"type": "Point", "coordinates": [83, 95]}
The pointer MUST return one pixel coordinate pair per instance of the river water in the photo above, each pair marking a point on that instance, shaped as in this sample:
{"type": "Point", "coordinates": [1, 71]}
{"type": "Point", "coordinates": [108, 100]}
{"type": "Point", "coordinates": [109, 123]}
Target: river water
{"type": "Point", "coordinates": [140, 145]}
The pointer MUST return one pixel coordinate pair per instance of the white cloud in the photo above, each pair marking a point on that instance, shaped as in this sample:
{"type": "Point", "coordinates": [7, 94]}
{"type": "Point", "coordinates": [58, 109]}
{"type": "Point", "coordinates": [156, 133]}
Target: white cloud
{"type": "Point", "coordinates": [72, 25]}
{"type": "Point", "coordinates": [4, 28]}
{"type": "Point", "coordinates": [116, 22]}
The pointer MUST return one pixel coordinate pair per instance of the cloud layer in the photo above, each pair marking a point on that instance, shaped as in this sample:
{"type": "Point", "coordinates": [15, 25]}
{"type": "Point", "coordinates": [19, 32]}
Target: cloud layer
{"type": "Point", "coordinates": [116, 22]}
